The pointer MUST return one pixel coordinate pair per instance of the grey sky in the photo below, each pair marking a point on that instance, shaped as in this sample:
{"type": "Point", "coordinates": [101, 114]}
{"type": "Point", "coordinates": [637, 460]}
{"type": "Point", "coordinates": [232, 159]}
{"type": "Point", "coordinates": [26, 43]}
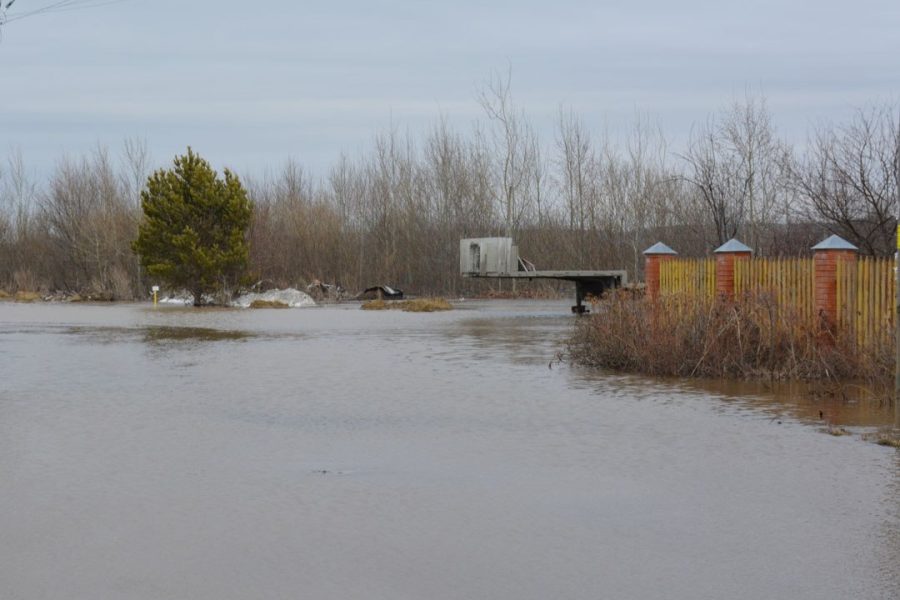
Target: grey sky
{"type": "Point", "coordinates": [249, 84]}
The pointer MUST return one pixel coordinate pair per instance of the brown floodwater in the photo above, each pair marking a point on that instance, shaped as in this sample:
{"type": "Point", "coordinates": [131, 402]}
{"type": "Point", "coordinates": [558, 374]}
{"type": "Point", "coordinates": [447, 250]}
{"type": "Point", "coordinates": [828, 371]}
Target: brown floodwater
{"type": "Point", "coordinates": [337, 453]}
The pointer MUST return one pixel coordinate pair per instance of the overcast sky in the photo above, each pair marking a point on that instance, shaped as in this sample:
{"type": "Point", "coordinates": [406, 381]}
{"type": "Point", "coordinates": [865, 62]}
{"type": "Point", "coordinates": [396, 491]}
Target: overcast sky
{"type": "Point", "coordinates": [249, 84]}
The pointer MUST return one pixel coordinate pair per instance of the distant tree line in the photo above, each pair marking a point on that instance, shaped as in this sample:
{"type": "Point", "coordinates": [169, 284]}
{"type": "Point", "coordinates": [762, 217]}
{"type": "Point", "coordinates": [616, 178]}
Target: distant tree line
{"type": "Point", "coordinates": [395, 215]}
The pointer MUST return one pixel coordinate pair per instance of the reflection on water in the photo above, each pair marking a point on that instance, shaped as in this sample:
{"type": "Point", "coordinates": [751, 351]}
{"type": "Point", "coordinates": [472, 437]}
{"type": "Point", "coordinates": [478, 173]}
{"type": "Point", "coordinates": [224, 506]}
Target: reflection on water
{"type": "Point", "coordinates": [337, 453]}
{"type": "Point", "coordinates": [889, 538]}
{"type": "Point", "coordinates": [849, 405]}
{"type": "Point", "coordinates": [192, 334]}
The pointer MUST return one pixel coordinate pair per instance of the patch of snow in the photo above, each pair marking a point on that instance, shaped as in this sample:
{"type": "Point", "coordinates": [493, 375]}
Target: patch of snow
{"type": "Point", "coordinates": [290, 296]}
{"type": "Point", "coordinates": [182, 299]}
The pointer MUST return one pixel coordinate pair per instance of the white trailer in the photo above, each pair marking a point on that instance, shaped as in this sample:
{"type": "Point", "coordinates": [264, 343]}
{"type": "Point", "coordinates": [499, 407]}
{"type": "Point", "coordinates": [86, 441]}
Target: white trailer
{"type": "Point", "coordinates": [499, 258]}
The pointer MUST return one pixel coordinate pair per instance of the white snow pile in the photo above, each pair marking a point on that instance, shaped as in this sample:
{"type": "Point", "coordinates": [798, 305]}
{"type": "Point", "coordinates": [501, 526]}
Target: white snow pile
{"type": "Point", "coordinates": [181, 299]}
{"type": "Point", "coordinates": [290, 296]}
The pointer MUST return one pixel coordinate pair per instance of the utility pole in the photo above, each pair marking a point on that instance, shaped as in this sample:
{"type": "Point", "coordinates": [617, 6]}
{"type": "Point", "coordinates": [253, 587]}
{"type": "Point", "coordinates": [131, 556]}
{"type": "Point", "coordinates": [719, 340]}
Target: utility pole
{"type": "Point", "coordinates": [897, 333]}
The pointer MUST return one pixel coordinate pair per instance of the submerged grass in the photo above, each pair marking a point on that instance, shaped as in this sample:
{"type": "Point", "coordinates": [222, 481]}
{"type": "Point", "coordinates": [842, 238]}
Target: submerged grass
{"type": "Point", "coordinates": [417, 305]}
{"type": "Point", "coordinates": [891, 439]}
{"type": "Point", "coordinates": [201, 334]}
{"type": "Point", "coordinates": [269, 304]}
{"type": "Point", "coordinates": [836, 431]}
{"type": "Point", "coordinates": [751, 338]}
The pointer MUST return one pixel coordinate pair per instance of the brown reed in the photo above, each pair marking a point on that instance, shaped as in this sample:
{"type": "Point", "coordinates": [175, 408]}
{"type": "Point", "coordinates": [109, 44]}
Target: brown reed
{"type": "Point", "coordinates": [749, 338]}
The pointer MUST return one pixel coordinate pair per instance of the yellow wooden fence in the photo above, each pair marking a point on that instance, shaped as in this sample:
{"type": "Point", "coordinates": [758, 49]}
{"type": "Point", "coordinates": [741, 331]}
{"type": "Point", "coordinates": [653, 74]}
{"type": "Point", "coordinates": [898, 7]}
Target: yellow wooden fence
{"type": "Point", "coordinates": [866, 299]}
{"type": "Point", "coordinates": [789, 280]}
{"type": "Point", "coordinates": [688, 276]}
{"type": "Point", "coordinates": [865, 289]}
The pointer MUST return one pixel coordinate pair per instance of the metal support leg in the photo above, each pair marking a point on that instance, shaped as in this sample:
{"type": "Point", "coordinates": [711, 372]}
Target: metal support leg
{"type": "Point", "coordinates": [579, 308]}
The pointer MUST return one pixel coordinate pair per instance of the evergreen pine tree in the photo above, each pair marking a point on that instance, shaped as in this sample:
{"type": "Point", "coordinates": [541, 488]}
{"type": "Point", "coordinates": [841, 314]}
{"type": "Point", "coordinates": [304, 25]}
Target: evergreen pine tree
{"type": "Point", "coordinates": [194, 231]}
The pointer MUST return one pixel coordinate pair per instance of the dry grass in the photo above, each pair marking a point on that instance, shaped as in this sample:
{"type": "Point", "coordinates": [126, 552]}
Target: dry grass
{"type": "Point", "coordinates": [268, 304]}
{"type": "Point", "coordinates": [22, 296]}
{"type": "Point", "coordinates": [417, 305]}
{"type": "Point", "coordinates": [891, 439]}
{"type": "Point", "coordinates": [426, 305]}
{"type": "Point", "coordinates": [4, 295]}
{"type": "Point", "coordinates": [751, 339]}
{"type": "Point", "coordinates": [375, 305]}
{"type": "Point", "coordinates": [836, 431]}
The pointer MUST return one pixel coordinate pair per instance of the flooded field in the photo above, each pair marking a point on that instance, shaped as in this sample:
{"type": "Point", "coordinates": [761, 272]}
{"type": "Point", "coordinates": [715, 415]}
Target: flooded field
{"type": "Point", "coordinates": [338, 453]}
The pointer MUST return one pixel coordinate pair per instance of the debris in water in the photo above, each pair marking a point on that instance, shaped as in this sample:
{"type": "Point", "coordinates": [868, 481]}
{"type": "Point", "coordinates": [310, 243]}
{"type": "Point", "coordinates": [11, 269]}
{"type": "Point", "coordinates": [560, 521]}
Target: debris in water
{"type": "Point", "coordinates": [290, 297]}
{"type": "Point", "coordinates": [381, 292]}
{"type": "Point", "coordinates": [836, 431]}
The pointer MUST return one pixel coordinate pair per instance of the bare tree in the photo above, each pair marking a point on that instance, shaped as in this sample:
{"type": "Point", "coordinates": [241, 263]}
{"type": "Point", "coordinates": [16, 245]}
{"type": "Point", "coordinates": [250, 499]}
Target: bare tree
{"type": "Point", "coordinates": [135, 169]}
{"type": "Point", "coordinates": [850, 178]}
{"type": "Point", "coordinates": [91, 225]}
{"type": "Point", "coordinates": [514, 146]}
{"type": "Point", "coordinates": [735, 165]}
{"type": "Point", "coordinates": [18, 189]}
{"type": "Point", "coordinates": [714, 174]}
{"type": "Point", "coordinates": [24, 247]}
{"type": "Point", "coordinates": [649, 185]}
{"type": "Point", "coordinates": [578, 182]}
{"type": "Point", "coordinates": [749, 137]}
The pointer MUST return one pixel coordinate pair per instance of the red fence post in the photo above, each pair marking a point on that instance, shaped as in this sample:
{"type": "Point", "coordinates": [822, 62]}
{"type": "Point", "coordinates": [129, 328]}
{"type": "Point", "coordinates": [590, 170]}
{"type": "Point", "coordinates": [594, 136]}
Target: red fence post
{"type": "Point", "coordinates": [826, 256]}
{"type": "Point", "coordinates": [726, 254]}
{"type": "Point", "coordinates": [653, 256]}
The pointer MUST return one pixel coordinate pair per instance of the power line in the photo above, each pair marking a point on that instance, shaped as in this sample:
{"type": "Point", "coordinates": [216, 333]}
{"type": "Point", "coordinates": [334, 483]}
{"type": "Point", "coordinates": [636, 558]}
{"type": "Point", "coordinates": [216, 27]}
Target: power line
{"type": "Point", "coordinates": [54, 7]}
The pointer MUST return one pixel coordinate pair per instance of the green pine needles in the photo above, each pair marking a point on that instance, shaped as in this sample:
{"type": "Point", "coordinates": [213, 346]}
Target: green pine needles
{"type": "Point", "coordinates": [194, 231]}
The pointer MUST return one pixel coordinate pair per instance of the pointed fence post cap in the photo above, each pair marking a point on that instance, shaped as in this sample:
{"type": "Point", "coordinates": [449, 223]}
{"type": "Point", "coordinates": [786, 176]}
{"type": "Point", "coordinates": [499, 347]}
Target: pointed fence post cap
{"type": "Point", "coordinates": [733, 245]}
{"type": "Point", "coordinates": [834, 242]}
{"type": "Point", "coordinates": [659, 248]}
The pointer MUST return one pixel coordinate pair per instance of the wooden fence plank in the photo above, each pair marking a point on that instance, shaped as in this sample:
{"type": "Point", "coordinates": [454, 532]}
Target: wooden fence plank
{"type": "Point", "coordinates": [866, 294]}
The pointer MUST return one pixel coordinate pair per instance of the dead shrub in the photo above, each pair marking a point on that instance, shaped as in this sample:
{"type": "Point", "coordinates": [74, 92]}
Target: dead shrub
{"type": "Point", "coordinates": [751, 338]}
{"type": "Point", "coordinates": [24, 279]}
{"type": "Point", "coordinates": [120, 283]}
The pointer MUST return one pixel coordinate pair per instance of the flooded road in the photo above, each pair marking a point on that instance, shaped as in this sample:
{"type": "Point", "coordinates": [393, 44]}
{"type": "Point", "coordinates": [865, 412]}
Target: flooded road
{"type": "Point", "coordinates": [338, 453]}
